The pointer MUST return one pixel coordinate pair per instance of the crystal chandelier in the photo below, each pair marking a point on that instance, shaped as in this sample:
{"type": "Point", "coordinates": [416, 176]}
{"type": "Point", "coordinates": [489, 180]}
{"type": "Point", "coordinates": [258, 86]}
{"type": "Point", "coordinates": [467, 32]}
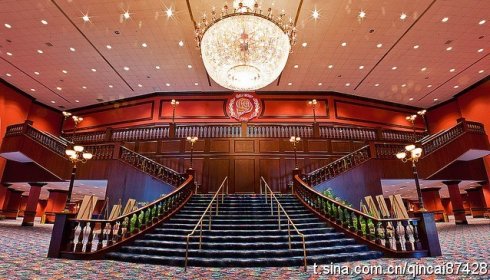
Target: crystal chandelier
{"type": "Point", "coordinates": [244, 49]}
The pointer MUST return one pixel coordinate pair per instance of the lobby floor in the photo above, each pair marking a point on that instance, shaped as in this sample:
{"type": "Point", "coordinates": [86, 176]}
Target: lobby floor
{"type": "Point", "coordinates": [23, 256]}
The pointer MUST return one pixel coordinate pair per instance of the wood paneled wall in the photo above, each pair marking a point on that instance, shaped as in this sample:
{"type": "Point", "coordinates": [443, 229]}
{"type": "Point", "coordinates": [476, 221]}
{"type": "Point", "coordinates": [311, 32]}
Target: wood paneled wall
{"type": "Point", "coordinates": [244, 160]}
{"type": "Point", "coordinates": [211, 108]}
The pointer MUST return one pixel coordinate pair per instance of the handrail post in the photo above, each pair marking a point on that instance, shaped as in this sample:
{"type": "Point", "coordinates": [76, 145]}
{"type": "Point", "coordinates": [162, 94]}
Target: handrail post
{"type": "Point", "coordinates": [278, 215]}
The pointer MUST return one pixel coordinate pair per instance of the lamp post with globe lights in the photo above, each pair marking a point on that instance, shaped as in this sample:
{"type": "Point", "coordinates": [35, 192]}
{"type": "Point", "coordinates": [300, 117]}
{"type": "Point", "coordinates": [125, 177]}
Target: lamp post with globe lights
{"type": "Point", "coordinates": [313, 103]}
{"type": "Point", "coordinates": [412, 153]}
{"type": "Point", "coordinates": [295, 140]}
{"type": "Point", "coordinates": [192, 140]}
{"type": "Point", "coordinates": [174, 104]}
{"type": "Point", "coordinates": [75, 155]}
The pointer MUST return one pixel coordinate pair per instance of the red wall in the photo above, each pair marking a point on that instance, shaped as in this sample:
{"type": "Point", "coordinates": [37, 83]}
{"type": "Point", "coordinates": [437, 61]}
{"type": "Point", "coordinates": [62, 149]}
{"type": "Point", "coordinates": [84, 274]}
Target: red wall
{"type": "Point", "coordinates": [283, 108]}
{"type": "Point", "coordinates": [474, 105]}
{"type": "Point", "coordinates": [16, 108]}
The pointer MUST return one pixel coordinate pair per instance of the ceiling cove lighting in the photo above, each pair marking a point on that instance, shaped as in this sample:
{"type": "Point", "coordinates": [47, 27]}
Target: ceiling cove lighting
{"type": "Point", "coordinates": [242, 48]}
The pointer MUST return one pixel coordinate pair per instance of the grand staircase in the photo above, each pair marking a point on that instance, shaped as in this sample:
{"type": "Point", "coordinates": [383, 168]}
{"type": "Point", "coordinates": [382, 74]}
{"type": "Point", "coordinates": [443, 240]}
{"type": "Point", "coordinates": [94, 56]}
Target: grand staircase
{"type": "Point", "coordinates": [244, 234]}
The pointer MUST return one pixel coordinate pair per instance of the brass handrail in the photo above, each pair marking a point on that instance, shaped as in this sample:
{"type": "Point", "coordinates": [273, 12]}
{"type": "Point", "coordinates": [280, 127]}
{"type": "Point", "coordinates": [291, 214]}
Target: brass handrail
{"type": "Point", "coordinates": [210, 210]}
{"type": "Point", "coordinates": [279, 208]}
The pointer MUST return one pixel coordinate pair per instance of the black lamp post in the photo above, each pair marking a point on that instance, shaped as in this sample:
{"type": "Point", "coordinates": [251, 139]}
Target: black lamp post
{"type": "Point", "coordinates": [191, 140]}
{"type": "Point", "coordinates": [313, 103]}
{"type": "Point", "coordinates": [412, 154]}
{"type": "Point", "coordinates": [295, 140]}
{"type": "Point", "coordinates": [174, 104]}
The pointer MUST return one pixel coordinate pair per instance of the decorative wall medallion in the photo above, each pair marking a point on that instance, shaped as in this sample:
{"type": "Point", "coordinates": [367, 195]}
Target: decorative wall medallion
{"type": "Point", "coordinates": [243, 107]}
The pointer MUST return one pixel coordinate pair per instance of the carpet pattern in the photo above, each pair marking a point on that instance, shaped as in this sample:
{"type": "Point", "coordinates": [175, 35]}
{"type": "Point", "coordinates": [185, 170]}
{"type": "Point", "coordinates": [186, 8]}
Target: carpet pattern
{"type": "Point", "coordinates": [23, 253]}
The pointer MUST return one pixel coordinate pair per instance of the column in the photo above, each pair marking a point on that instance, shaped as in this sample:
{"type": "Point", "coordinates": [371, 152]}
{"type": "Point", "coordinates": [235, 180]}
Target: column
{"type": "Point", "coordinates": [4, 191]}
{"type": "Point", "coordinates": [485, 192]}
{"type": "Point", "coordinates": [30, 212]}
{"type": "Point", "coordinates": [456, 202]}
{"type": "Point", "coordinates": [22, 205]}
{"type": "Point", "coordinates": [476, 200]}
{"type": "Point", "coordinates": [56, 204]}
{"type": "Point", "coordinates": [432, 202]}
{"type": "Point", "coordinates": [12, 208]}
{"type": "Point", "coordinates": [41, 207]}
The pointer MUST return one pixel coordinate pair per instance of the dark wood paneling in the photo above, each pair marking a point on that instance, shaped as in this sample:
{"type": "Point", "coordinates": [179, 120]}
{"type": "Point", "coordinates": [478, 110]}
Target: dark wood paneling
{"type": "Point", "coordinates": [244, 176]}
{"type": "Point", "coordinates": [219, 146]}
{"type": "Point", "coordinates": [170, 146]}
{"type": "Point", "coordinates": [147, 147]}
{"type": "Point", "coordinates": [270, 169]}
{"type": "Point", "coordinates": [244, 146]}
{"type": "Point", "coordinates": [266, 146]}
{"type": "Point", "coordinates": [318, 145]}
{"type": "Point", "coordinates": [218, 169]}
{"type": "Point", "coordinates": [340, 146]}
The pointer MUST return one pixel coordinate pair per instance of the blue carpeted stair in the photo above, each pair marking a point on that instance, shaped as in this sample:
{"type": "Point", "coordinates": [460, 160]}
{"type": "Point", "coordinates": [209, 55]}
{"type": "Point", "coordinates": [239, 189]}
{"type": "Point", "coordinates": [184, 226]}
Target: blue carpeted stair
{"type": "Point", "coordinates": [244, 234]}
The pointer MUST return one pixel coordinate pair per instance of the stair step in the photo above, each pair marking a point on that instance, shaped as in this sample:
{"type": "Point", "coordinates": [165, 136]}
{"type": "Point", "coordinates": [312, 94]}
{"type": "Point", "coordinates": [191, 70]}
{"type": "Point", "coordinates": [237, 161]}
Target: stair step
{"type": "Point", "coordinates": [245, 253]}
{"type": "Point", "coordinates": [193, 243]}
{"type": "Point", "coordinates": [227, 220]}
{"type": "Point", "coordinates": [216, 226]}
{"type": "Point", "coordinates": [241, 232]}
{"type": "Point", "coordinates": [243, 262]}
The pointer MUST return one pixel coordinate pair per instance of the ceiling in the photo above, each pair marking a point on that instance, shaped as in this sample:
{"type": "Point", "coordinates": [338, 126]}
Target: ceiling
{"type": "Point", "coordinates": [406, 188]}
{"type": "Point", "coordinates": [80, 188]}
{"type": "Point", "coordinates": [420, 60]}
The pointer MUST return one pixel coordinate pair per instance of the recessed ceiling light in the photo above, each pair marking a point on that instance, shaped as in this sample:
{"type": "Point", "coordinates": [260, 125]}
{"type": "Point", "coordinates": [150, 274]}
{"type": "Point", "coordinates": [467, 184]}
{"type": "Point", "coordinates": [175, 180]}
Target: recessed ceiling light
{"type": "Point", "coordinates": [111, 86]}
{"type": "Point", "coordinates": [410, 99]}
{"type": "Point", "coordinates": [126, 15]}
{"type": "Point", "coordinates": [58, 88]}
{"type": "Point", "coordinates": [181, 43]}
{"type": "Point", "coordinates": [84, 87]}
{"type": "Point", "coordinates": [44, 22]}
{"type": "Point", "coordinates": [157, 67]}
{"type": "Point", "coordinates": [40, 51]}
{"type": "Point", "coordinates": [376, 85]}
{"type": "Point", "coordinates": [435, 99]}
{"type": "Point", "coordinates": [169, 12]}
{"type": "Point", "coordinates": [72, 49]}
{"type": "Point", "coordinates": [32, 89]}
{"type": "Point", "coordinates": [481, 71]}
{"type": "Point", "coordinates": [429, 86]}
{"type": "Point", "coordinates": [379, 45]}
{"type": "Point", "coordinates": [167, 84]}
{"type": "Point", "coordinates": [290, 84]}
{"type": "Point", "coordinates": [189, 66]}
{"type": "Point", "coordinates": [444, 19]}
{"type": "Point", "coordinates": [403, 16]}
{"type": "Point", "coordinates": [423, 69]}
{"type": "Point", "coordinates": [77, 101]}
{"type": "Point", "coordinates": [93, 70]}
{"type": "Point", "coordinates": [394, 68]}
{"type": "Point", "coordinates": [404, 85]}
{"type": "Point", "coordinates": [362, 14]}
{"type": "Point", "coordinates": [480, 50]}
{"type": "Point", "coordinates": [196, 84]}
{"type": "Point", "coordinates": [416, 46]}
{"type": "Point", "coordinates": [320, 84]}
{"type": "Point", "coordinates": [361, 67]}
{"type": "Point", "coordinates": [330, 66]}
{"type": "Point", "coordinates": [140, 85]}
{"type": "Point", "coordinates": [108, 47]}
{"type": "Point", "coordinates": [456, 86]}
{"type": "Point", "coordinates": [304, 44]}
{"type": "Point", "coordinates": [8, 25]}
{"type": "Point", "coordinates": [452, 70]}
{"type": "Point", "coordinates": [343, 44]}
{"type": "Point", "coordinates": [37, 73]}
{"type": "Point", "coordinates": [144, 45]}
{"type": "Point", "coordinates": [347, 84]}
{"type": "Point", "coordinates": [449, 48]}
{"type": "Point", "coordinates": [296, 66]}
{"type": "Point", "coordinates": [52, 101]}
{"type": "Point", "coordinates": [315, 14]}
{"type": "Point", "coordinates": [8, 75]}
{"type": "Point", "coordinates": [64, 71]}
{"type": "Point", "coordinates": [86, 18]}
{"type": "Point", "coordinates": [126, 68]}
{"type": "Point", "coordinates": [9, 53]}
{"type": "Point", "coordinates": [481, 22]}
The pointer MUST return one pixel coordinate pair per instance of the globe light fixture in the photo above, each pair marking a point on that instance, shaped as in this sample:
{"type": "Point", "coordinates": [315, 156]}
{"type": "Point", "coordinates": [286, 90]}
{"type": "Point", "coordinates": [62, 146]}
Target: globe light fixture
{"type": "Point", "coordinates": [244, 49]}
{"type": "Point", "coordinates": [295, 140]}
{"type": "Point", "coordinates": [412, 153]}
{"type": "Point", "coordinates": [192, 140]}
{"type": "Point", "coordinates": [313, 103]}
{"type": "Point", "coordinates": [174, 104]}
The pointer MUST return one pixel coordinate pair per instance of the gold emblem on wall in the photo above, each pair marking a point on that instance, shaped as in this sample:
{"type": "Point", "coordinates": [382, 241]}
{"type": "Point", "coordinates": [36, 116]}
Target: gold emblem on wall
{"type": "Point", "coordinates": [243, 107]}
